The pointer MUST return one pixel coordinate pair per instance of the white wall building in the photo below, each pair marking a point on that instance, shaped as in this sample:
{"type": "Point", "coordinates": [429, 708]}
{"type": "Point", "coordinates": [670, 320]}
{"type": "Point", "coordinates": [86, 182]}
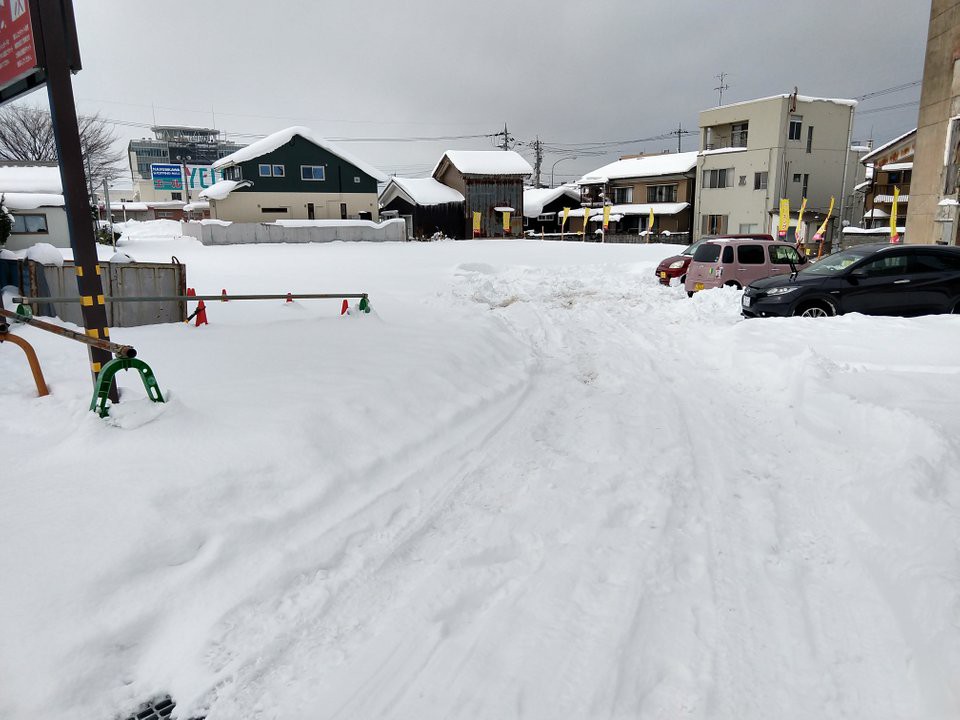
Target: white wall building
{"type": "Point", "coordinates": [34, 196]}
{"type": "Point", "coordinates": [754, 153]}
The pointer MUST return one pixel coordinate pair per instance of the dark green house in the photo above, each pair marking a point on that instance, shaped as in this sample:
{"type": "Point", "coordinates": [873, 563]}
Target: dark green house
{"type": "Point", "coordinates": [293, 175]}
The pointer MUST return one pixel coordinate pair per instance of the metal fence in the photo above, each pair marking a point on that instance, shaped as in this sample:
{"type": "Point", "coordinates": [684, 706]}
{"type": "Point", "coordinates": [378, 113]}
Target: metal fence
{"type": "Point", "coordinates": [134, 279]}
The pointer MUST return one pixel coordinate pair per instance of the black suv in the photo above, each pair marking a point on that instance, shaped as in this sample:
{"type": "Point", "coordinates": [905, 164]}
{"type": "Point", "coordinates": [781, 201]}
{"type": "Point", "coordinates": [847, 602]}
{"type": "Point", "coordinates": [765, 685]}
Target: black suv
{"type": "Point", "coordinates": [869, 279]}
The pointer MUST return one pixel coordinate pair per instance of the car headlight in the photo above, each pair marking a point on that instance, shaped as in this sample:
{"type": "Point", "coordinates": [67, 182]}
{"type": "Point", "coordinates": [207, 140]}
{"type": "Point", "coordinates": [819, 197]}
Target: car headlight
{"type": "Point", "coordinates": [782, 290]}
{"type": "Point", "coordinates": [676, 265]}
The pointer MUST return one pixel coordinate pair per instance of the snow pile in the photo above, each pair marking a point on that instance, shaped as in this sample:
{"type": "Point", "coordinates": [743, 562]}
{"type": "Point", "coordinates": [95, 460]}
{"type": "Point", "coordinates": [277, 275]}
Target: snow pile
{"type": "Point", "coordinates": [120, 257]}
{"type": "Point", "coordinates": [533, 483]}
{"type": "Point", "coordinates": [281, 138]}
{"type": "Point", "coordinates": [30, 179]}
{"type": "Point", "coordinates": [419, 191]}
{"type": "Point", "coordinates": [149, 229]}
{"type": "Point", "coordinates": [486, 162]}
{"type": "Point", "coordinates": [336, 223]}
{"type": "Point", "coordinates": [31, 201]}
{"type": "Point", "coordinates": [647, 166]}
{"type": "Point", "coordinates": [45, 254]}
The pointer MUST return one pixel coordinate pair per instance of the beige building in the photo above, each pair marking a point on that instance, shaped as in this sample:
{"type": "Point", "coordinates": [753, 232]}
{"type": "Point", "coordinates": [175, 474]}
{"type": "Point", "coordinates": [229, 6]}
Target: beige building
{"type": "Point", "coordinates": [787, 146]}
{"type": "Point", "coordinates": [932, 213]}
{"type": "Point", "coordinates": [889, 169]}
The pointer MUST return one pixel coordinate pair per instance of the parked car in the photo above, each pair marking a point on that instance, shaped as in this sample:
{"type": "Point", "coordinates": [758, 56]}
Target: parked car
{"type": "Point", "coordinates": [675, 266]}
{"type": "Point", "coordinates": [878, 279]}
{"type": "Point", "coordinates": [738, 261]}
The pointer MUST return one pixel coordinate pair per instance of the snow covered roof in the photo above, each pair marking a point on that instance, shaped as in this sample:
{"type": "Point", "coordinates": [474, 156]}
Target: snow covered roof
{"type": "Point", "coordinates": [166, 204]}
{"type": "Point", "coordinates": [485, 162]}
{"type": "Point", "coordinates": [129, 206]}
{"type": "Point", "coordinates": [198, 205]}
{"type": "Point", "coordinates": [903, 199]}
{"type": "Point", "coordinates": [281, 138]}
{"type": "Point", "coordinates": [871, 231]}
{"type": "Point", "coordinates": [641, 167]}
{"type": "Point", "coordinates": [637, 209]}
{"type": "Point", "coordinates": [722, 151]}
{"type": "Point", "coordinates": [783, 96]}
{"type": "Point", "coordinates": [419, 191]}
{"type": "Point", "coordinates": [535, 199]}
{"type": "Point", "coordinates": [876, 213]}
{"type": "Point", "coordinates": [31, 201]}
{"type": "Point", "coordinates": [221, 189]}
{"type": "Point", "coordinates": [886, 146]}
{"type": "Point", "coordinates": [862, 186]}
{"type": "Point", "coordinates": [30, 179]}
{"type": "Point", "coordinates": [897, 166]}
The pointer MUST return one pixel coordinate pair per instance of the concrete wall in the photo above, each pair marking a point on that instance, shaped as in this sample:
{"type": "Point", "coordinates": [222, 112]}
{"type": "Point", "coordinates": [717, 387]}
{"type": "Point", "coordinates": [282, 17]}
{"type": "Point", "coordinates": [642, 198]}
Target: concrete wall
{"type": "Point", "coordinates": [331, 231]}
{"type": "Point", "coordinates": [243, 206]}
{"type": "Point", "coordinates": [939, 101]}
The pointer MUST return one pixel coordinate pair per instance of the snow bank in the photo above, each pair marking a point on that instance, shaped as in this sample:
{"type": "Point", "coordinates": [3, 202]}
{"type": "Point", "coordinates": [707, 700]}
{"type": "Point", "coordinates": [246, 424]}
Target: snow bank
{"type": "Point", "coordinates": [533, 483]}
{"type": "Point", "coordinates": [45, 254]}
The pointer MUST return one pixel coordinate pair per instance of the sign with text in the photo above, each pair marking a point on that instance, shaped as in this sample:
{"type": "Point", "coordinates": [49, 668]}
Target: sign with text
{"type": "Point", "coordinates": [166, 176]}
{"type": "Point", "coordinates": [18, 54]}
{"type": "Point", "coordinates": [200, 177]}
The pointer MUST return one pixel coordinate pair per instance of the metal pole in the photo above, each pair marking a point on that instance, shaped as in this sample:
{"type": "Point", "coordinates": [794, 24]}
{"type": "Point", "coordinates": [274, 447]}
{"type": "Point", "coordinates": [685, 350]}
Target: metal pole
{"type": "Point", "coordinates": [103, 345]}
{"type": "Point", "coordinates": [26, 300]}
{"type": "Point", "coordinates": [838, 230]}
{"type": "Point", "coordinates": [63, 114]}
{"type": "Point", "coordinates": [106, 202]}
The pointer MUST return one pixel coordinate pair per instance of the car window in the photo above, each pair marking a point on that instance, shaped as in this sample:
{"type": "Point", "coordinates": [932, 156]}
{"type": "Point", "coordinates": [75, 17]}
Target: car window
{"type": "Point", "coordinates": [887, 266]}
{"type": "Point", "coordinates": [750, 255]}
{"type": "Point", "coordinates": [784, 255]}
{"type": "Point", "coordinates": [691, 249]}
{"type": "Point", "coordinates": [728, 254]}
{"type": "Point", "coordinates": [708, 253]}
{"type": "Point", "coordinates": [927, 262]}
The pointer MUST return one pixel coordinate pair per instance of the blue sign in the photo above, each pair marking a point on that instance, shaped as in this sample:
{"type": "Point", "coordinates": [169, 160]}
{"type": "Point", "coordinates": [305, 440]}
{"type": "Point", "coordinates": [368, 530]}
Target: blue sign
{"type": "Point", "coordinates": [166, 176]}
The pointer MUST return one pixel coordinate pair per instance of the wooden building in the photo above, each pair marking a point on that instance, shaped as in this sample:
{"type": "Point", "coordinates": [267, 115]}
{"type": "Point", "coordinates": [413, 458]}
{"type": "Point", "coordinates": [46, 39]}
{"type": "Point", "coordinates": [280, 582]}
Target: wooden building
{"type": "Point", "coordinates": [889, 166]}
{"type": "Point", "coordinates": [489, 180]}
{"type": "Point", "coordinates": [428, 207]}
{"type": "Point", "coordinates": [543, 207]}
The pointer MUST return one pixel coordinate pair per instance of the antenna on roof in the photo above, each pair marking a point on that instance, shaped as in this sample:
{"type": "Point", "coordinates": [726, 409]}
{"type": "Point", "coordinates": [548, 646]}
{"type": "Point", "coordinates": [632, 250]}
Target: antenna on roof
{"type": "Point", "coordinates": [722, 86]}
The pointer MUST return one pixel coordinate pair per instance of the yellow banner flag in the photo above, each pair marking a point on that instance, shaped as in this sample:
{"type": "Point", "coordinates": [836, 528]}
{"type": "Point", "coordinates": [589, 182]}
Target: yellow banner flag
{"type": "Point", "coordinates": [650, 221]}
{"type": "Point", "coordinates": [894, 235]}
{"type": "Point", "coordinates": [586, 217]}
{"type": "Point", "coordinates": [800, 231]}
{"type": "Point", "coordinates": [823, 227]}
{"type": "Point", "coordinates": [784, 217]}
{"type": "Point", "coordinates": [476, 224]}
{"type": "Point", "coordinates": [606, 217]}
{"type": "Point", "coordinates": [506, 222]}
{"type": "Point", "coordinates": [563, 222]}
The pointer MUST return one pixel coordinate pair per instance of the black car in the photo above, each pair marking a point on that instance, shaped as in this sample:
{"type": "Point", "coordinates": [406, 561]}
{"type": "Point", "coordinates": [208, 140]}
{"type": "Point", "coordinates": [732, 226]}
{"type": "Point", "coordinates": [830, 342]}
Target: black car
{"type": "Point", "coordinates": [870, 279]}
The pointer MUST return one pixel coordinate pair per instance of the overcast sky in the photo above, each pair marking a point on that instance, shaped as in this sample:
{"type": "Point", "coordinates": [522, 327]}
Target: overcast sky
{"type": "Point", "coordinates": [570, 72]}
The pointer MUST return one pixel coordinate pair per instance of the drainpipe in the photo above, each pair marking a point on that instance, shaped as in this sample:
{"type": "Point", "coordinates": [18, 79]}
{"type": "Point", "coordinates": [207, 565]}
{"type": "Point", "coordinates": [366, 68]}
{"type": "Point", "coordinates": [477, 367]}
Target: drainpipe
{"type": "Point", "coordinates": [843, 188]}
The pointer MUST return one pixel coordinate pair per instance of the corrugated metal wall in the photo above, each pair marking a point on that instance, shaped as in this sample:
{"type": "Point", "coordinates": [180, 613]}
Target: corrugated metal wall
{"type": "Point", "coordinates": [483, 195]}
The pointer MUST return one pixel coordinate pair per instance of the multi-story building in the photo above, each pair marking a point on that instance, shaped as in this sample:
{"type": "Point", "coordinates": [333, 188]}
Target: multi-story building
{"type": "Point", "coordinates": [754, 153]}
{"type": "Point", "coordinates": [889, 168]}
{"type": "Point", "coordinates": [184, 158]}
{"type": "Point", "coordinates": [932, 215]}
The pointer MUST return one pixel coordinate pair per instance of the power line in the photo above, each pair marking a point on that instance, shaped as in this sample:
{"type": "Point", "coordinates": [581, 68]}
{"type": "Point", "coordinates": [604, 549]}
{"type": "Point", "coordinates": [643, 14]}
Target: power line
{"type": "Point", "coordinates": [889, 90]}
{"type": "Point", "coordinates": [889, 107]}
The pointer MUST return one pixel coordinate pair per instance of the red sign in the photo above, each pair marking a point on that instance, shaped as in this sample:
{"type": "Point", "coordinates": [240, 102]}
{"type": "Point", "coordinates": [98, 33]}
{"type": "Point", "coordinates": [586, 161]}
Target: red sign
{"type": "Point", "coordinates": [18, 56]}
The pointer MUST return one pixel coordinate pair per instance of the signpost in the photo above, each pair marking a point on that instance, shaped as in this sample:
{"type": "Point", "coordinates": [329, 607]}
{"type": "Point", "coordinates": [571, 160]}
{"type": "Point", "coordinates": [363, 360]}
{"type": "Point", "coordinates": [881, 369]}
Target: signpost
{"type": "Point", "coordinates": [38, 46]}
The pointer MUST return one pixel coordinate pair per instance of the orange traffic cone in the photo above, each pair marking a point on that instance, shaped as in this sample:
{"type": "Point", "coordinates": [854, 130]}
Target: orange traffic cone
{"type": "Point", "coordinates": [344, 307]}
{"type": "Point", "coordinates": [201, 314]}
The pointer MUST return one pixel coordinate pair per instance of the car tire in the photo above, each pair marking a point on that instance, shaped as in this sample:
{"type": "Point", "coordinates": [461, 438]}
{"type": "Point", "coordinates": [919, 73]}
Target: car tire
{"type": "Point", "coordinates": [814, 310]}
{"type": "Point", "coordinates": [733, 284]}
{"type": "Point", "coordinates": [689, 294]}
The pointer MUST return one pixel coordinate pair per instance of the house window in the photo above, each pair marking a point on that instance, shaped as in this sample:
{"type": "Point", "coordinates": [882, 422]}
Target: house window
{"type": "Point", "coordinates": [232, 173]}
{"type": "Point", "coordinates": [796, 177]}
{"type": "Point", "coordinates": [176, 196]}
{"type": "Point", "coordinates": [718, 178]}
{"type": "Point", "coordinates": [749, 228]}
{"type": "Point", "coordinates": [806, 184]}
{"type": "Point", "coordinates": [312, 172]}
{"type": "Point", "coordinates": [29, 224]}
{"type": "Point", "coordinates": [622, 195]}
{"type": "Point", "coordinates": [265, 170]}
{"type": "Point", "coordinates": [796, 123]}
{"type": "Point", "coordinates": [760, 181]}
{"type": "Point", "coordinates": [894, 178]}
{"type": "Point", "coordinates": [738, 135]}
{"type": "Point", "coordinates": [279, 171]}
{"type": "Point", "coordinates": [714, 224]}
{"type": "Point", "coordinates": [809, 138]}
{"type": "Point", "coordinates": [275, 210]}
{"type": "Point", "coordinates": [546, 217]}
{"type": "Point", "coordinates": [661, 193]}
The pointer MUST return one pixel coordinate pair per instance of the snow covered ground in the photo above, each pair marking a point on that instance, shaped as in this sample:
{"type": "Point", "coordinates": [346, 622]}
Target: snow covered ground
{"type": "Point", "coordinates": [532, 484]}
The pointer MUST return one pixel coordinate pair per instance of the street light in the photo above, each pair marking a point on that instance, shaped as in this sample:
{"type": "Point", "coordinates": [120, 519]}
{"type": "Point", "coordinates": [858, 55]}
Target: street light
{"type": "Point", "coordinates": [572, 157]}
{"type": "Point", "coordinates": [184, 159]}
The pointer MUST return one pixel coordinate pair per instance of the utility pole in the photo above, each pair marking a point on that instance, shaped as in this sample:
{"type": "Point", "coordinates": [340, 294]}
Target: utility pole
{"type": "Point", "coordinates": [507, 139]}
{"type": "Point", "coordinates": [679, 132]}
{"type": "Point", "coordinates": [722, 86]}
{"type": "Point", "coordinates": [538, 160]}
